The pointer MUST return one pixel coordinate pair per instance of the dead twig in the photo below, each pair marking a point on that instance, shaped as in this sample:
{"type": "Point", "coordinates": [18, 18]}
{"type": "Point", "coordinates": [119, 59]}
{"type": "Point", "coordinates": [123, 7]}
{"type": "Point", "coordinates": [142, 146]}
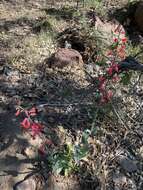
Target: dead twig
{"type": "Point", "coordinates": [119, 117]}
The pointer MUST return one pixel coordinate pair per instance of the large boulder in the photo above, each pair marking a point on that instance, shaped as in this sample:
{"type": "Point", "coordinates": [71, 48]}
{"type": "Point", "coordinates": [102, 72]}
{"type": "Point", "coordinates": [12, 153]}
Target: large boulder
{"type": "Point", "coordinates": [139, 16]}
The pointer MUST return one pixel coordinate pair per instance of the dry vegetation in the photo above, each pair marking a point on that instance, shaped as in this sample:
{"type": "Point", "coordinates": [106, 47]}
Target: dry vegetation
{"type": "Point", "coordinates": [109, 136]}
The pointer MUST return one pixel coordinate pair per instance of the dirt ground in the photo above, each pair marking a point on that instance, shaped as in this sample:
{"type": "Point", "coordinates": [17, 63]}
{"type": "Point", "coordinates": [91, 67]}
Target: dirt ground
{"type": "Point", "coordinates": [116, 157]}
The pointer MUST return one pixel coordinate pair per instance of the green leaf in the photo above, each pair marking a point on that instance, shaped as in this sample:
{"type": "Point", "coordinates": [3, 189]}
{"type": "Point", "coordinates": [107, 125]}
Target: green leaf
{"type": "Point", "coordinates": [93, 130]}
{"type": "Point", "coordinates": [57, 167]}
{"type": "Point", "coordinates": [100, 63]}
{"type": "Point", "coordinates": [114, 45]}
{"type": "Point", "coordinates": [80, 153]}
{"type": "Point", "coordinates": [85, 136]}
{"type": "Point", "coordinates": [126, 77]}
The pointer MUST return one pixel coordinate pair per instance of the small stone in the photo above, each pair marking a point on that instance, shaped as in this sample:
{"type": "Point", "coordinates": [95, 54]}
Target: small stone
{"type": "Point", "coordinates": [127, 164]}
{"type": "Point", "coordinates": [36, 142]}
{"type": "Point", "coordinates": [141, 151]}
{"type": "Point", "coordinates": [119, 179]}
{"type": "Point", "coordinates": [10, 72]}
{"type": "Point", "coordinates": [2, 110]}
{"type": "Point", "coordinates": [30, 152]}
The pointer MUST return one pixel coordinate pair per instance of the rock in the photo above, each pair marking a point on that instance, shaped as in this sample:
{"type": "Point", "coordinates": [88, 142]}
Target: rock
{"type": "Point", "coordinates": [106, 30]}
{"type": "Point", "coordinates": [139, 16]}
{"type": "Point", "coordinates": [28, 184]}
{"type": "Point", "coordinates": [64, 57]}
{"type": "Point", "coordinates": [127, 164]}
{"type": "Point", "coordinates": [35, 143]}
{"type": "Point", "coordinates": [30, 152]}
{"type": "Point", "coordinates": [119, 180]}
{"type": "Point", "coordinates": [141, 152]}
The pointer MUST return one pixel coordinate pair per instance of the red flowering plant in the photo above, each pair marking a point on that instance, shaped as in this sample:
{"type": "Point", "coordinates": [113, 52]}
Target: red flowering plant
{"type": "Point", "coordinates": [109, 64]}
{"type": "Point", "coordinates": [107, 76]}
{"type": "Point", "coordinates": [34, 127]}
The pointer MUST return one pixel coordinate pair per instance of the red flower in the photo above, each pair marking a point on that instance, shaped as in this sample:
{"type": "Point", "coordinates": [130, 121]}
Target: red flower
{"type": "Point", "coordinates": [124, 40]}
{"type": "Point", "coordinates": [102, 87]}
{"type": "Point", "coordinates": [109, 95]}
{"type": "Point", "coordinates": [123, 47]}
{"type": "Point", "coordinates": [110, 71]}
{"type": "Point", "coordinates": [103, 100]}
{"type": "Point", "coordinates": [32, 112]}
{"type": "Point", "coordinates": [102, 79]}
{"type": "Point", "coordinates": [36, 129]}
{"type": "Point", "coordinates": [121, 53]}
{"type": "Point", "coordinates": [122, 32]}
{"type": "Point", "coordinates": [109, 53]}
{"type": "Point", "coordinates": [25, 123]}
{"type": "Point", "coordinates": [115, 40]}
{"type": "Point", "coordinates": [115, 79]}
{"type": "Point", "coordinates": [41, 149]}
{"type": "Point", "coordinates": [115, 67]}
{"type": "Point", "coordinates": [106, 96]}
{"type": "Point", "coordinates": [102, 83]}
{"type": "Point", "coordinates": [17, 113]}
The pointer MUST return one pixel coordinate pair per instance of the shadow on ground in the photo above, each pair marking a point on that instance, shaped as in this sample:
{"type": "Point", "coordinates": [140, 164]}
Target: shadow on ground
{"type": "Point", "coordinates": [125, 16]}
{"type": "Point", "coordinates": [66, 13]}
{"type": "Point", "coordinates": [35, 25]}
{"type": "Point", "coordinates": [59, 93]}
